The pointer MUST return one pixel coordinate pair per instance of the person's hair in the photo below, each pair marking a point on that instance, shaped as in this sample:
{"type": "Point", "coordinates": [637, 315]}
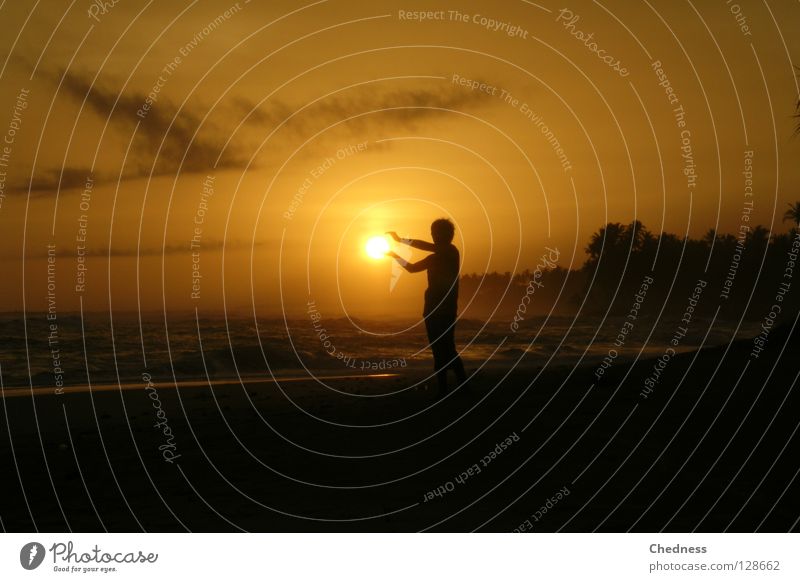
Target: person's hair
{"type": "Point", "coordinates": [442, 230]}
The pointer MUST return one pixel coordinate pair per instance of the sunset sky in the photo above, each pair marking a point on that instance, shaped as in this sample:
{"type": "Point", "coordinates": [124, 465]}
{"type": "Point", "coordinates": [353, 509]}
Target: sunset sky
{"type": "Point", "coordinates": [283, 135]}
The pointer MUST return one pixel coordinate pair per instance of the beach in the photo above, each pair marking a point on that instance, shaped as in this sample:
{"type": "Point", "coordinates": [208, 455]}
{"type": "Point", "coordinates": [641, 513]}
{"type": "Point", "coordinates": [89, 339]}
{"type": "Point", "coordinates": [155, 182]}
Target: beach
{"type": "Point", "coordinates": [708, 448]}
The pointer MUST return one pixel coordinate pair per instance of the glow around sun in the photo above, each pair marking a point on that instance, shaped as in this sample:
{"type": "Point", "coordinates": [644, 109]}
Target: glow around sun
{"type": "Point", "coordinates": [377, 247]}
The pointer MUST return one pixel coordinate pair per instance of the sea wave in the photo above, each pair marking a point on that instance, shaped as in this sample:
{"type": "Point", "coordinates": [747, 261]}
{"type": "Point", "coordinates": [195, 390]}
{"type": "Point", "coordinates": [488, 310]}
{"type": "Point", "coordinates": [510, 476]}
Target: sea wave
{"type": "Point", "coordinates": [97, 348]}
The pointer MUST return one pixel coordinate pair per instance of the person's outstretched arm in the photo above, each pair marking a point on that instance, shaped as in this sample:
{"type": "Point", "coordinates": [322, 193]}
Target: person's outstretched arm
{"type": "Point", "coordinates": [422, 245]}
{"type": "Point", "coordinates": [410, 267]}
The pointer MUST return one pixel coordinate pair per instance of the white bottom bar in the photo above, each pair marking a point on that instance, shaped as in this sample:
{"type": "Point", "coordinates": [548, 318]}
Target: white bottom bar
{"type": "Point", "coordinates": [401, 557]}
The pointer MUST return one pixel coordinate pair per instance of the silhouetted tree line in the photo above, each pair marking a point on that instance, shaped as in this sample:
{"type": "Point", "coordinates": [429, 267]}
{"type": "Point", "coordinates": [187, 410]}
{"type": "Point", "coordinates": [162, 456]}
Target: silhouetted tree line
{"type": "Point", "coordinates": [743, 271]}
{"type": "Point", "coordinates": [620, 256]}
{"type": "Point", "coordinates": [481, 294]}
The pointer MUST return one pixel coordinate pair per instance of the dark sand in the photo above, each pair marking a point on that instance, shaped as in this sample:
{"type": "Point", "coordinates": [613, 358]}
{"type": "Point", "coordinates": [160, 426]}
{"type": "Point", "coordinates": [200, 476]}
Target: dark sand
{"type": "Point", "coordinates": [711, 449]}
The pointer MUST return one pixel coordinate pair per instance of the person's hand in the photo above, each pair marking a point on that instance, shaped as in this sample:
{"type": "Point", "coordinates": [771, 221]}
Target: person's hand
{"type": "Point", "coordinates": [394, 235]}
{"type": "Point", "coordinates": [392, 254]}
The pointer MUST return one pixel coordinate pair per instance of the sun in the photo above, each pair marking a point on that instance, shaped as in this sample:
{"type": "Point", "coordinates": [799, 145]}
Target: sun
{"type": "Point", "coordinates": [377, 247]}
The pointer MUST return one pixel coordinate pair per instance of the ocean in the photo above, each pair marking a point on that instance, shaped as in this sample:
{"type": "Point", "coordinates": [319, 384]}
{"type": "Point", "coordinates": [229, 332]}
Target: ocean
{"type": "Point", "coordinates": [73, 350]}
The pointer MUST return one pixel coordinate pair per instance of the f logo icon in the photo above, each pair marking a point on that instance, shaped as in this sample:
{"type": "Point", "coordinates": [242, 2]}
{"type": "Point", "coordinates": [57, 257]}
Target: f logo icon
{"type": "Point", "coordinates": [31, 555]}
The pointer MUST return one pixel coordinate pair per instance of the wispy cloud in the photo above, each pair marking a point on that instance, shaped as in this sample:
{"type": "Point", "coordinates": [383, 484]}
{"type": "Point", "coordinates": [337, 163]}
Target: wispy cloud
{"type": "Point", "coordinates": [210, 245]}
{"type": "Point", "coordinates": [51, 180]}
{"type": "Point", "coordinates": [169, 140]}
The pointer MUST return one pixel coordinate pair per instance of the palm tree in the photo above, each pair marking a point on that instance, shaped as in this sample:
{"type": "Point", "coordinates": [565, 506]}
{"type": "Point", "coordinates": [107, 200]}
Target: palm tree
{"type": "Point", "coordinates": [793, 213]}
{"type": "Point", "coordinates": [608, 238]}
{"type": "Point", "coordinates": [759, 236]}
{"type": "Point", "coordinates": [710, 237]}
{"type": "Point", "coordinates": [640, 235]}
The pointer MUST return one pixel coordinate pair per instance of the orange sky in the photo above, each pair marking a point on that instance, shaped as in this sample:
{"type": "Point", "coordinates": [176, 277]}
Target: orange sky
{"type": "Point", "coordinates": [323, 124]}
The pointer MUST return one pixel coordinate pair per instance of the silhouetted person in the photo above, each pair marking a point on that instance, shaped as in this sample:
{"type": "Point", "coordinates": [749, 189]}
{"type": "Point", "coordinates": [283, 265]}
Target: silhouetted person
{"type": "Point", "coordinates": [441, 297]}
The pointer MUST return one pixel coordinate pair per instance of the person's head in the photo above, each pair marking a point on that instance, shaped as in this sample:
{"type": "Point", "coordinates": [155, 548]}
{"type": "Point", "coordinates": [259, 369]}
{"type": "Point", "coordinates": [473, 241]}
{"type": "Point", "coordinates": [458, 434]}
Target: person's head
{"type": "Point", "coordinates": [442, 231]}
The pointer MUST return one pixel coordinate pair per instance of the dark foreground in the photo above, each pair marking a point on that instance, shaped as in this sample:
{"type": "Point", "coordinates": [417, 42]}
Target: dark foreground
{"type": "Point", "coordinates": [713, 448]}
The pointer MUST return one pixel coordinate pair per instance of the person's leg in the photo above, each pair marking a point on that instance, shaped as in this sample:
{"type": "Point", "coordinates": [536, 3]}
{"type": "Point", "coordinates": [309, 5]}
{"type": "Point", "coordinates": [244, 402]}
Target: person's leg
{"type": "Point", "coordinates": [458, 367]}
{"type": "Point", "coordinates": [441, 380]}
{"type": "Point", "coordinates": [440, 361]}
{"type": "Point", "coordinates": [453, 359]}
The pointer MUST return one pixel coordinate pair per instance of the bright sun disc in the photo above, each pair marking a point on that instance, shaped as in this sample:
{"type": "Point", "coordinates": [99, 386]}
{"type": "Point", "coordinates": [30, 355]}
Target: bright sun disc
{"type": "Point", "coordinates": [377, 247]}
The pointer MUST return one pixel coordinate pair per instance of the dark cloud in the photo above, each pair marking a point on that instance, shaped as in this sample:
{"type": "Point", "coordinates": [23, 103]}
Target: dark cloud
{"type": "Point", "coordinates": [166, 133]}
{"type": "Point", "coordinates": [211, 245]}
{"type": "Point", "coordinates": [55, 180]}
{"type": "Point", "coordinates": [183, 249]}
{"type": "Point", "coordinates": [163, 130]}
{"type": "Point", "coordinates": [396, 108]}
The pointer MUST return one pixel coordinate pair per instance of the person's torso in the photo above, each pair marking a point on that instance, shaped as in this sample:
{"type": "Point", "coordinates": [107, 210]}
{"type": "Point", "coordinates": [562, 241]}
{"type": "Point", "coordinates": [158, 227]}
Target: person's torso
{"type": "Point", "coordinates": [443, 278]}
